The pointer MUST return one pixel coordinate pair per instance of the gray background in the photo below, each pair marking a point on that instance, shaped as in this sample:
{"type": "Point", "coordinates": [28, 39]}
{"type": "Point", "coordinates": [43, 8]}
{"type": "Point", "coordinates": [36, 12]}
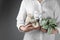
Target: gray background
{"type": "Point", "coordinates": [8, 12]}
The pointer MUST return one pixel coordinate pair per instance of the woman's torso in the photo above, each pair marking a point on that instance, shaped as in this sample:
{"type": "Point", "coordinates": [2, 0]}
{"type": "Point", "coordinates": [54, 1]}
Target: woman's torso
{"type": "Point", "coordinates": [47, 10]}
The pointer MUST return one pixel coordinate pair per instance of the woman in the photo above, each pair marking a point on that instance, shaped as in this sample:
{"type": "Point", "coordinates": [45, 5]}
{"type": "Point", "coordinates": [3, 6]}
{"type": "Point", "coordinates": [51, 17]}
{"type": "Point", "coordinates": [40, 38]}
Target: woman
{"type": "Point", "coordinates": [44, 8]}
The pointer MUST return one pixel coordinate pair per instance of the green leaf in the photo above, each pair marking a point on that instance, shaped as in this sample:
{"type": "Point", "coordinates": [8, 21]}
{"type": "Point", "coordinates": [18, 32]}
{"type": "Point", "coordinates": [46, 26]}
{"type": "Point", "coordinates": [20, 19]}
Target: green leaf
{"type": "Point", "coordinates": [45, 27]}
{"type": "Point", "coordinates": [43, 22]}
{"type": "Point", "coordinates": [49, 30]}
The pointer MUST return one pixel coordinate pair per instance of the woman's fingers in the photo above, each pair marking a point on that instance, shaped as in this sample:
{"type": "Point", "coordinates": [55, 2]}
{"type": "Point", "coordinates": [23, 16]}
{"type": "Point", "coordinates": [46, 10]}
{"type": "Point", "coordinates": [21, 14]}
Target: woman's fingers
{"type": "Point", "coordinates": [29, 25]}
{"type": "Point", "coordinates": [23, 28]}
{"type": "Point", "coordinates": [37, 28]}
{"type": "Point", "coordinates": [54, 31]}
{"type": "Point", "coordinates": [43, 30]}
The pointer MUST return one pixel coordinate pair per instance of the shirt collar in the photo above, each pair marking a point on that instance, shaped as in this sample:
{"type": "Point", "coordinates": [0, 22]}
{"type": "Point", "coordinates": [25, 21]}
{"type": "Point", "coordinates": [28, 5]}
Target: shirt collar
{"type": "Point", "coordinates": [39, 2]}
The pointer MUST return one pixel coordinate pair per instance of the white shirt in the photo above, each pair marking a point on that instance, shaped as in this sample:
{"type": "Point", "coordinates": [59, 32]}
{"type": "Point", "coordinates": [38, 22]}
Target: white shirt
{"type": "Point", "coordinates": [46, 8]}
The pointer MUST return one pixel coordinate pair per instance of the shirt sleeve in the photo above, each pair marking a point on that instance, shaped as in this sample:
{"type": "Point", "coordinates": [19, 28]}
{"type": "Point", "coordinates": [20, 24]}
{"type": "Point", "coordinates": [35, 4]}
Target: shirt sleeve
{"type": "Point", "coordinates": [57, 15]}
{"type": "Point", "coordinates": [21, 16]}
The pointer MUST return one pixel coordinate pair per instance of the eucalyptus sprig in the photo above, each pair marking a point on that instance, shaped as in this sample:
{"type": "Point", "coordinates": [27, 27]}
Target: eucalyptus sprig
{"type": "Point", "coordinates": [48, 23]}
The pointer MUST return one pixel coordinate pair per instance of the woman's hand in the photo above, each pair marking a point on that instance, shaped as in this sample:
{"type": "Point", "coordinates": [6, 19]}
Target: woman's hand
{"type": "Point", "coordinates": [43, 30]}
{"type": "Point", "coordinates": [27, 28]}
{"type": "Point", "coordinates": [54, 31]}
{"type": "Point", "coordinates": [37, 28]}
